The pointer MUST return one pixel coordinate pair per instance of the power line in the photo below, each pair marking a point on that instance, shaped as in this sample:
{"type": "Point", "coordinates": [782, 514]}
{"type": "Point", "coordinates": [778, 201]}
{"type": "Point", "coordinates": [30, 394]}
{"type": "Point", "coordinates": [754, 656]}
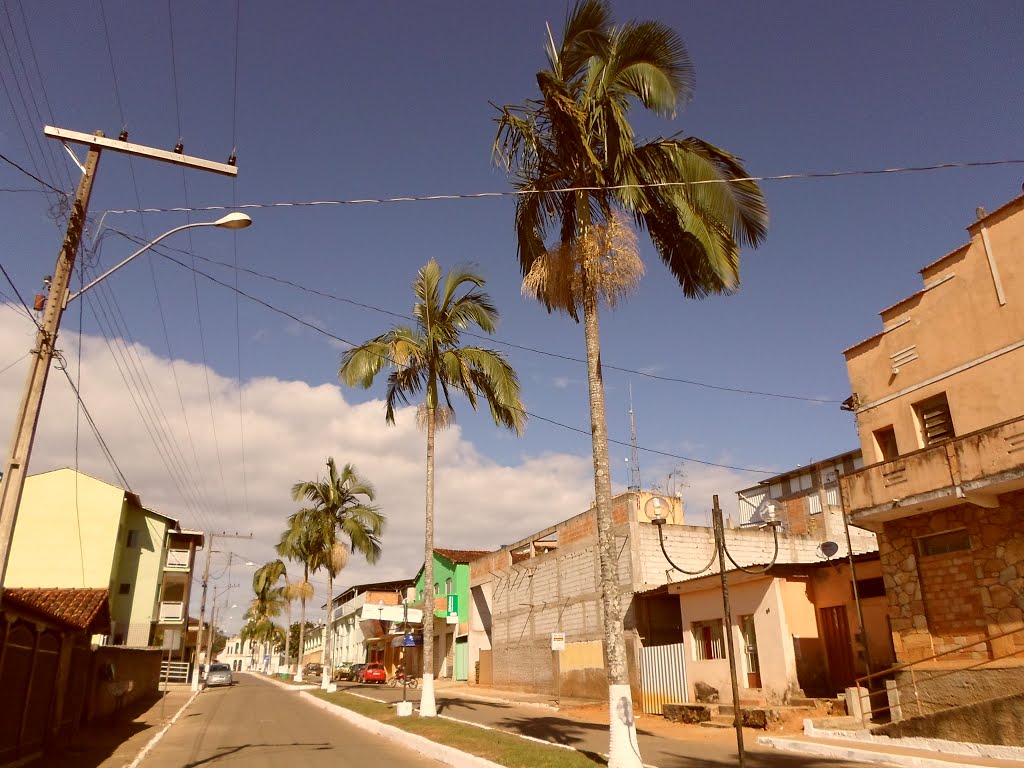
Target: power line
{"type": "Point", "coordinates": [17, 293]}
{"type": "Point", "coordinates": [521, 192]}
{"type": "Point", "coordinates": [95, 429]}
{"type": "Point", "coordinates": [528, 413]}
{"type": "Point", "coordinates": [511, 345]}
{"type": "Point", "coordinates": [14, 363]}
{"type": "Point", "coordinates": [33, 176]}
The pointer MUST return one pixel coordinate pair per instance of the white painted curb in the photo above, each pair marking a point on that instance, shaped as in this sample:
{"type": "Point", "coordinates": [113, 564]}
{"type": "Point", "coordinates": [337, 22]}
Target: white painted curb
{"type": "Point", "coordinates": [439, 752]}
{"type": "Point", "coordinates": [853, 754]}
{"type": "Point", "coordinates": [281, 683]}
{"type": "Point", "coordinates": [160, 734]}
{"type": "Point", "coordinates": [942, 746]}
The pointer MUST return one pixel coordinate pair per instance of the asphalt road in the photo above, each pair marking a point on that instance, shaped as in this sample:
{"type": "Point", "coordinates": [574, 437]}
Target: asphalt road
{"type": "Point", "coordinates": [256, 724]}
{"type": "Point", "coordinates": [716, 749]}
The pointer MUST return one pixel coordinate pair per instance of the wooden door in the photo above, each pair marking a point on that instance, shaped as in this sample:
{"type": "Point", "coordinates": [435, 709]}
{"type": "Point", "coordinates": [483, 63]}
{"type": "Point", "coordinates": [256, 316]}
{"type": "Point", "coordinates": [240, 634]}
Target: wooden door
{"type": "Point", "coordinates": [836, 632]}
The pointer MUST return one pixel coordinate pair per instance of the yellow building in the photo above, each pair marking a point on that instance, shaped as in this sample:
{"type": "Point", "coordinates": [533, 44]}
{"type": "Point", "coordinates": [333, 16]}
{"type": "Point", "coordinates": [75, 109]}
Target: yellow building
{"type": "Point", "coordinates": [76, 531]}
{"type": "Point", "coordinates": [940, 412]}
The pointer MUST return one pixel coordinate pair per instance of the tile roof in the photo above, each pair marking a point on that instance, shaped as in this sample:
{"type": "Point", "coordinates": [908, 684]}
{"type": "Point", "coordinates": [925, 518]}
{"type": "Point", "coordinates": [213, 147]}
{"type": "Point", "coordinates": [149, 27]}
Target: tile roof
{"type": "Point", "coordinates": [461, 555]}
{"type": "Point", "coordinates": [85, 609]}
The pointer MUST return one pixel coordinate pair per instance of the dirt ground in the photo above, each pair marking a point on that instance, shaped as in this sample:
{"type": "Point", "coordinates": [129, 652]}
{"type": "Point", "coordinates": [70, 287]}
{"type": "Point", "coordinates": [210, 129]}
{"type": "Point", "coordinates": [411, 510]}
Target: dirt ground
{"type": "Point", "coordinates": [792, 721]}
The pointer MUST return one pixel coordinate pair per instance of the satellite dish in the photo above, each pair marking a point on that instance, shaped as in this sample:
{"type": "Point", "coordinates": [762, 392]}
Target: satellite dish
{"type": "Point", "coordinates": [658, 508]}
{"type": "Point", "coordinates": [767, 512]}
{"type": "Point", "coordinates": [829, 549]}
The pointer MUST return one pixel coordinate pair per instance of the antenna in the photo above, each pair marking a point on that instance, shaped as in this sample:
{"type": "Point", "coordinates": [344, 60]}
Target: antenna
{"type": "Point", "coordinates": [634, 455]}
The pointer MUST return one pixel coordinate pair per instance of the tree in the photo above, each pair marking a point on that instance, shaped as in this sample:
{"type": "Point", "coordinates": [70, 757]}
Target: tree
{"type": "Point", "coordinates": [427, 358]}
{"type": "Point", "coordinates": [265, 579]}
{"type": "Point", "coordinates": [295, 546]}
{"type": "Point", "coordinates": [582, 175]}
{"type": "Point", "coordinates": [297, 631]}
{"type": "Point", "coordinates": [341, 505]}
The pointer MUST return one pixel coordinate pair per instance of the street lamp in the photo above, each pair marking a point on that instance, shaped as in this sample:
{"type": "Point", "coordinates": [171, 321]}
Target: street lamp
{"type": "Point", "coordinates": [657, 509]}
{"type": "Point", "coordinates": [12, 484]}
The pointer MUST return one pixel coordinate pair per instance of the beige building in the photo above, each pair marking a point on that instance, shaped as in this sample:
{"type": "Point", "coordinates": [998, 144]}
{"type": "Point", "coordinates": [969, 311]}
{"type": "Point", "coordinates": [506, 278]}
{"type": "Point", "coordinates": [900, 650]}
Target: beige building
{"type": "Point", "coordinates": [76, 531]}
{"type": "Point", "coordinates": [940, 411]}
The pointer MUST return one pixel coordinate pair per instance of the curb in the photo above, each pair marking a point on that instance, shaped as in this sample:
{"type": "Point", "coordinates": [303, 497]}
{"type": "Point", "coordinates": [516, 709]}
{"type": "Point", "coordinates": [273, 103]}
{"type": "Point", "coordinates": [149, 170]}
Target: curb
{"type": "Point", "coordinates": [160, 734]}
{"type": "Point", "coordinates": [439, 752]}
{"type": "Point", "coordinates": [927, 744]}
{"type": "Point", "coordinates": [837, 752]}
{"type": "Point", "coordinates": [281, 684]}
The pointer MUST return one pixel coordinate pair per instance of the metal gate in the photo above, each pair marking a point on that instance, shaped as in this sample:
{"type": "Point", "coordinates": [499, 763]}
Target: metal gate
{"type": "Point", "coordinates": [662, 677]}
{"type": "Point", "coordinates": [175, 671]}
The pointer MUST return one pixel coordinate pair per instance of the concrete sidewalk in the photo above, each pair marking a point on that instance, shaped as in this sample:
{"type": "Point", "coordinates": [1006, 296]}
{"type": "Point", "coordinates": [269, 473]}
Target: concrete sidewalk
{"type": "Point", "coordinates": [116, 742]}
{"type": "Point", "coordinates": [518, 698]}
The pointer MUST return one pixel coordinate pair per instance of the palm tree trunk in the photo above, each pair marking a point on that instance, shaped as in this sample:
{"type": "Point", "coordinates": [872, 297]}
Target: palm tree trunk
{"type": "Point", "coordinates": [302, 628]}
{"type": "Point", "coordinates": [428, 706]}
{"type": "Point", "coordinates": [287, 640]}
{"type": "Point", "coordinates": [325, 655]}
{"type": "Point", "coordinates": [623, 751]}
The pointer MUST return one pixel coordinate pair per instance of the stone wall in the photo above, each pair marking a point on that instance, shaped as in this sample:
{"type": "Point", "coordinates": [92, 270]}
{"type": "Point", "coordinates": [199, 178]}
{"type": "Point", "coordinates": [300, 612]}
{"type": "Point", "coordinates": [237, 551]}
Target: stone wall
{"type": "Point", "coordinates": [942, 601]}
{"type": "Point", "coordinates": [934, 689]}
{"type": "Point", "coordinates": [998, 721]}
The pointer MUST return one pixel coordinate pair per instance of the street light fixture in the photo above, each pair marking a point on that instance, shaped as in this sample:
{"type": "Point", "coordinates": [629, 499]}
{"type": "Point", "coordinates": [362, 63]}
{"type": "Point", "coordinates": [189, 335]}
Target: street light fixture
{"type": "Point", "coordinates": [12, 484]}
{"type": "Point", "coordinates": [656, 509]}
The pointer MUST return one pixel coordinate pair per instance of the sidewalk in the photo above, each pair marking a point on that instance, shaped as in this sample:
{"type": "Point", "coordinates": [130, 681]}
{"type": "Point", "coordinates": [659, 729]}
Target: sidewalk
{"type": "Point", "coordinates": [518, 698]}
{"type": "Point", "coordinates": [116, 743]}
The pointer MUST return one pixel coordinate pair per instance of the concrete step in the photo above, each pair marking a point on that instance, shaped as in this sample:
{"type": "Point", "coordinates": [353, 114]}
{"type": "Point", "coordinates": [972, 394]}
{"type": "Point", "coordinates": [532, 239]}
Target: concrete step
{"type": "Point", "coordinates": [719, 721]}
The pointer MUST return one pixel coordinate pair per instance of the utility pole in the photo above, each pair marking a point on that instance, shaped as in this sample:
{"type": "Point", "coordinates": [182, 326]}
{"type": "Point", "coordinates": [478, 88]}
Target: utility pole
{"type": "Point", "coordinates": [12, 485]}
{"type": "Point", "coordinates": [202, 601]}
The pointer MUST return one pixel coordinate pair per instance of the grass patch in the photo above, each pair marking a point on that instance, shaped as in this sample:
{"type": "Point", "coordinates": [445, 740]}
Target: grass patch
{"type": "Point", "coordinates": [497, 746]}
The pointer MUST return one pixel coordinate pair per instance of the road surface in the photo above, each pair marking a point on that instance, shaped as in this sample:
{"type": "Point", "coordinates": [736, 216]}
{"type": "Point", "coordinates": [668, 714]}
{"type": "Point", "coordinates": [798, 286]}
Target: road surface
{"type": "Point", "coordinates": [257, 724]}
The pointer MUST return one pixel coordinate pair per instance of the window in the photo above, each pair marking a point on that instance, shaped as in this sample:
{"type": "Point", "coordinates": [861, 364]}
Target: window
{"type": "Point", "coordinates": [885, 440]}
{"type": "Point", "coordinates": [448, 586]}
{"type": "Point", "coordinates": [935, 420]}
{"type": "Point", "coordinates": [707, 640]}
{"type": "Point", "coordinates": [124, 589]}
{"type": "Point", "coordinates": [814, 504]}
{"type": "Point", "coordinates": [873, 587]}
{"type": "Point", "coordinates": [944, 543]}
{"type": "Point", "coordinates": [132, 542]}
{"type": "Point", "coordinates": [437, 588]}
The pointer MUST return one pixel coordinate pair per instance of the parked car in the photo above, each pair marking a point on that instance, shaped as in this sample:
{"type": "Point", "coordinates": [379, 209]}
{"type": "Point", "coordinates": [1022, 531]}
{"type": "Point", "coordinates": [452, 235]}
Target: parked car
{"type": "Point", "coordinates": [373, 673]}
{"type": "Point", "coordinates": [354, 672]}
{"type": "Point", "coordinates": [219, 674]}
{"type": "Point", "coordinates": [341, 671]}
{"type": "Point", "coordinates": [312, 668]}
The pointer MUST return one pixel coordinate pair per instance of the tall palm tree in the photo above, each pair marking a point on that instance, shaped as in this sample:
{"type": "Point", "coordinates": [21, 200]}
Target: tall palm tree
{"type": "Point", "coordinates": [295, 546]}
{"type": "Point", "coordinates": [427, 358]}
{"type": "Point", "coordinates": [292, 591]}
{"type": "Point", "coordinates": [582, 172]}
{"type": "Point", "coordinates": [341, 505]}
{"type": "Point", "coordinates": [265, 579]}
{"type": "Point", "coordinates": [266, 605]}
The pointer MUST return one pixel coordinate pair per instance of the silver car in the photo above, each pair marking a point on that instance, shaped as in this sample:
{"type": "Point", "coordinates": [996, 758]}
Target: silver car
{"type": "Point", "coordinates": [219, 674]}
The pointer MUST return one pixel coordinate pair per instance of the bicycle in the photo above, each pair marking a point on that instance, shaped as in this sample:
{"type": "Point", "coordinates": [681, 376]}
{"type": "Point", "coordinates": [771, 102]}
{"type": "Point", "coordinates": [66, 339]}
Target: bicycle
{"type": "Point", "coordinates": [396, 680]}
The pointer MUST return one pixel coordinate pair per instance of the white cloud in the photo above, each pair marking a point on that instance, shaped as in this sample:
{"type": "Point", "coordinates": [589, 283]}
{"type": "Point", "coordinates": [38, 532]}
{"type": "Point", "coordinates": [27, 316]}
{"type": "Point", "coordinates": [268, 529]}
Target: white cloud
{"type": "Point", "coordinates": [290, 428]}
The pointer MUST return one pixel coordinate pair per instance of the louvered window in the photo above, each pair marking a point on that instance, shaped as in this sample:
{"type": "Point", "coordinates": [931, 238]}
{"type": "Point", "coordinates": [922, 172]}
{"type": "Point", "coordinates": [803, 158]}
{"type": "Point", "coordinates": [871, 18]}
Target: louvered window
{"type": "Point", "coordinates": [936, 423]}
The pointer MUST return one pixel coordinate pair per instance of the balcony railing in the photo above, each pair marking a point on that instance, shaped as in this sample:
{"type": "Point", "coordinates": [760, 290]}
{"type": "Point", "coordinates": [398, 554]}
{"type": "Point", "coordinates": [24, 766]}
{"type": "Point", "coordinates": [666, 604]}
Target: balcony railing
{"type": "Point", "coordinates": [975, 467]}
{"type": "Point", "coordinates": [171, 612]}
{"type": "Point", "coordinates": [178, 560]}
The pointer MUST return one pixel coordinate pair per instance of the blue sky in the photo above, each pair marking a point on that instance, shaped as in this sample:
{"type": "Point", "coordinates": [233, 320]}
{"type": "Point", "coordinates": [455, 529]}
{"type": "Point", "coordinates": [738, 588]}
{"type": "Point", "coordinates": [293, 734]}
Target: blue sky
{"type": "Point", "coordinates": [342, 101]}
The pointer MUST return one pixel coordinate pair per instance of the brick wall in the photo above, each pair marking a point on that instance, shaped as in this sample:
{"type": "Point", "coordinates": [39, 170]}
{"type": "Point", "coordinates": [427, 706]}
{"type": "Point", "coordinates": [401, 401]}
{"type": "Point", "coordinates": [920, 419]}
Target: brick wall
{"type": "Point", "coordinates": [941, 601]}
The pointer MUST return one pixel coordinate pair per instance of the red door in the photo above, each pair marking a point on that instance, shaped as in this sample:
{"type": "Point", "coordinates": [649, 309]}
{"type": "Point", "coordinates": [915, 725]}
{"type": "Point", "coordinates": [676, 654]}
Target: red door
{"type": "Point", "coordinates": [836, 632]}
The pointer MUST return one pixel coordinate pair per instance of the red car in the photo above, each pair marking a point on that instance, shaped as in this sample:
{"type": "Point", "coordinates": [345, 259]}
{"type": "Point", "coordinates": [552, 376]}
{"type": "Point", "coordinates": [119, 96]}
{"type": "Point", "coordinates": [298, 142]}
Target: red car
{"type": "Point", "coordinates": [373, 673]}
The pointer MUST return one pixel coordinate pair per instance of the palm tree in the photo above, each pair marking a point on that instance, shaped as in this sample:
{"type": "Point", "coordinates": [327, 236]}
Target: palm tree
{"type": "Point", "coordinates": [582, 173]}
{"type": "Point", "coordinates": [292, 591]}
{"type": "Point", "coordinates": [427, 358]}
{"type": "Point", "coordinates": [266, 579]}
{"type": "Point", "coordinates": [341, 505]}
{"type": "Point", "coordinates": [267, 604]}
{"type": "Point", "coordinates": [295, 546]}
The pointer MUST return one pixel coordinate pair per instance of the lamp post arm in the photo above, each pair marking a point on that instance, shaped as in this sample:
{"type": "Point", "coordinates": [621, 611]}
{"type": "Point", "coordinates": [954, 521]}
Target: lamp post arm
{"type": "Point", "coordinates": [141, 250]}
{"type": "Point", "coordinates": [661, 540]}
{"type": "Point", "coordinates": [755, 571]}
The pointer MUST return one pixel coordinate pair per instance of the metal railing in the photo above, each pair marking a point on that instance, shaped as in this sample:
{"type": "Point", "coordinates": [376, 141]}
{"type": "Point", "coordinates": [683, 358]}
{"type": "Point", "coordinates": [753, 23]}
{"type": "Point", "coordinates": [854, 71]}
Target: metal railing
{"type": "Point", "coordinates": [171, 611]}
{"type": "Point", "coordinates": [892, 688]}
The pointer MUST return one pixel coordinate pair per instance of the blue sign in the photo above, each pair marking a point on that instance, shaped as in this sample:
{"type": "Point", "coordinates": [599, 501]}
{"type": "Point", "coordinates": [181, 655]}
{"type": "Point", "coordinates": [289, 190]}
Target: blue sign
{"type": "Point", "coordinates": [409, 641]}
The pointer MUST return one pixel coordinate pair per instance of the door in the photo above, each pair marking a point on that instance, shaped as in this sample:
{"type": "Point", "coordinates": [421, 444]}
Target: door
{"type": "Point", "coordinates": [836, 632]}
{"type": "Point", "coordinates": [462, 658]}
{"type": "Point", "coordinates": [753, 665]}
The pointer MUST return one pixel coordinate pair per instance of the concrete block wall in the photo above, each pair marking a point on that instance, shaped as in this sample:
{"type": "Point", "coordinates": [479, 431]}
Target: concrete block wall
{"type": "Point", "coordinates": [691, 547]}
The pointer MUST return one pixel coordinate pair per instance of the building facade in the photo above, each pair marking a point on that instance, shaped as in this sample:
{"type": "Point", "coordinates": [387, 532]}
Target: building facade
{"type": "Point", "coordinates": [940, 413]}
{"type": "Point", "coordinates": [451, 610]}
{"type": "Point", "coordinates": [79, 532]}
{"type": "Point", "coordinates": [549, 583]}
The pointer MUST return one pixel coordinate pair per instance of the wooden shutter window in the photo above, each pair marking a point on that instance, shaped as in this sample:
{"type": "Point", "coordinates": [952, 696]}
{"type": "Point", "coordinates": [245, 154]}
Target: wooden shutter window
{"type": "Point", "coordinates": [936, 422]}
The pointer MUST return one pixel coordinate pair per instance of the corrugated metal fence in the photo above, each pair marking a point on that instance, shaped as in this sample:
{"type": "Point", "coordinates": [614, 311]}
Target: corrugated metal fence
{"type": "Point", "coordinates": [663, 677]}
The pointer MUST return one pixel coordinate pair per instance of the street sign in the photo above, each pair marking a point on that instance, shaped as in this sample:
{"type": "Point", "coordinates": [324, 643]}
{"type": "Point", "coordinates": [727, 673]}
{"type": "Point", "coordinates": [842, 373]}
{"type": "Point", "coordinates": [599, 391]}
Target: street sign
{"type": "Point", "coordinates": [558, 641]}
{"type": "Point", "coordinates": [409, 641]}
{"type": "Point", "coordinates": [172, 640]}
